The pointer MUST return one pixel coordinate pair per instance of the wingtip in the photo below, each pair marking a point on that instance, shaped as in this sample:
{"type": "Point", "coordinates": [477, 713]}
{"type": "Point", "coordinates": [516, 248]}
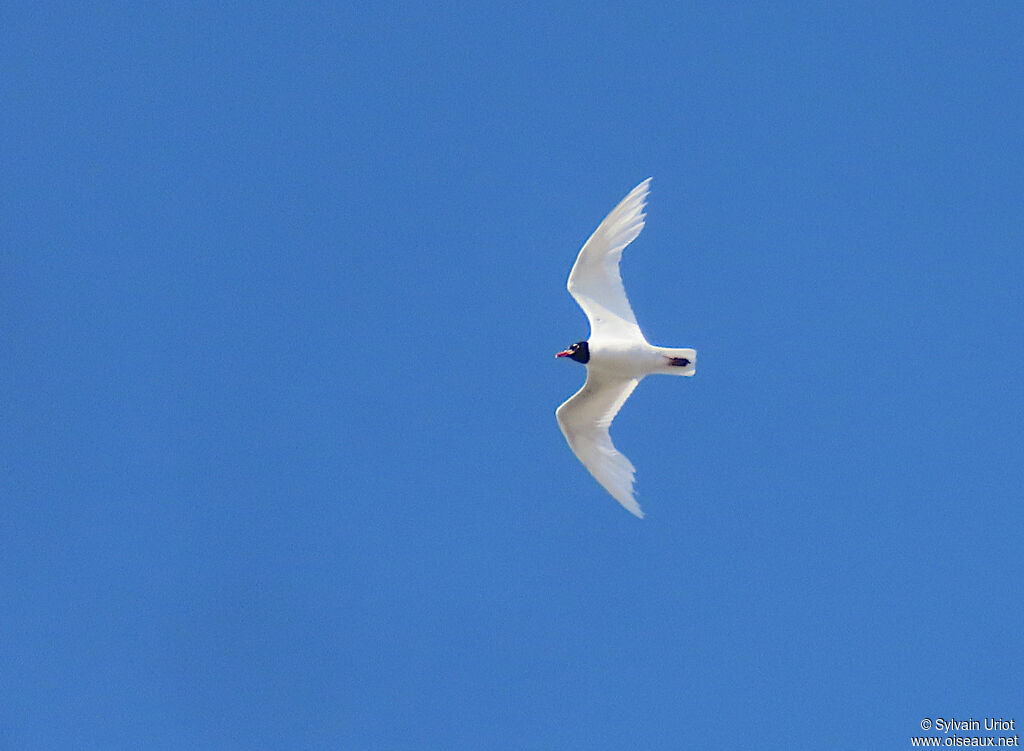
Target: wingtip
{"type": "Point", "coordinates": [644, 186]}
{"type": "Point", "coordinates": [632, 507]}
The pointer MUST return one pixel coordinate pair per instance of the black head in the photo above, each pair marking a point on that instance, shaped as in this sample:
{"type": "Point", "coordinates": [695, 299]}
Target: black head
{"type": "Point", "coordinates": [580, 352]}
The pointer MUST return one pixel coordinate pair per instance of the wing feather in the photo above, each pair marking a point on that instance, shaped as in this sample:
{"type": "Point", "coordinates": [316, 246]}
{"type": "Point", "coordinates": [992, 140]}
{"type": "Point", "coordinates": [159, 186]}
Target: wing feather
{"type": "Point", "coordinates": [585, 419]}
{"type": "Point", "coordinates": [595, 282]}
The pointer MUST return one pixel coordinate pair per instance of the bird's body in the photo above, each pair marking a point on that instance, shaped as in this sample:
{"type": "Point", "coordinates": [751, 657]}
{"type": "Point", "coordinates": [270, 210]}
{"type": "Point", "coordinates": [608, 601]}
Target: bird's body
{"type": "Point", "coordinates": [627, 359]}
{"type": "Point", "coordinates": [617, 355]}
{"type": "Point", "coordinates": [636, 359]}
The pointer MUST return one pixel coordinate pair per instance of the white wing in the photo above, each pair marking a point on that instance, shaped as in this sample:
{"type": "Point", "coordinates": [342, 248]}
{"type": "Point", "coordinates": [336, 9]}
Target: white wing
{"type": "Point", "coordinates": [595, 281]}
{"type": "Point", "coordinates": [585, 419]}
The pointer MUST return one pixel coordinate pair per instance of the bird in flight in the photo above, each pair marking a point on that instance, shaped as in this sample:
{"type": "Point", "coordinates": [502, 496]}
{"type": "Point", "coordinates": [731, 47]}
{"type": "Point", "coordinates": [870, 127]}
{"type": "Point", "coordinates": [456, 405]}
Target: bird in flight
{"type": "Point", "coordinates": [617, 355]}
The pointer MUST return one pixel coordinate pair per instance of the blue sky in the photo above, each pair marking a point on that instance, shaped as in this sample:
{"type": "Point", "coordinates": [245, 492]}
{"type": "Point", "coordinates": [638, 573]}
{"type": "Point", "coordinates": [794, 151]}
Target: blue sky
{"type": "Point", "coordinates": [281, 290]}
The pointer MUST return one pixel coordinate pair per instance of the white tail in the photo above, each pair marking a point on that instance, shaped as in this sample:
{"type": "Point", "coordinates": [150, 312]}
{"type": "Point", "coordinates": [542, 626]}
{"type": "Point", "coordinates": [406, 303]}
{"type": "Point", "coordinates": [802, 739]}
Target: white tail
{"type": "Point", "coordinates": [678, 361]}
